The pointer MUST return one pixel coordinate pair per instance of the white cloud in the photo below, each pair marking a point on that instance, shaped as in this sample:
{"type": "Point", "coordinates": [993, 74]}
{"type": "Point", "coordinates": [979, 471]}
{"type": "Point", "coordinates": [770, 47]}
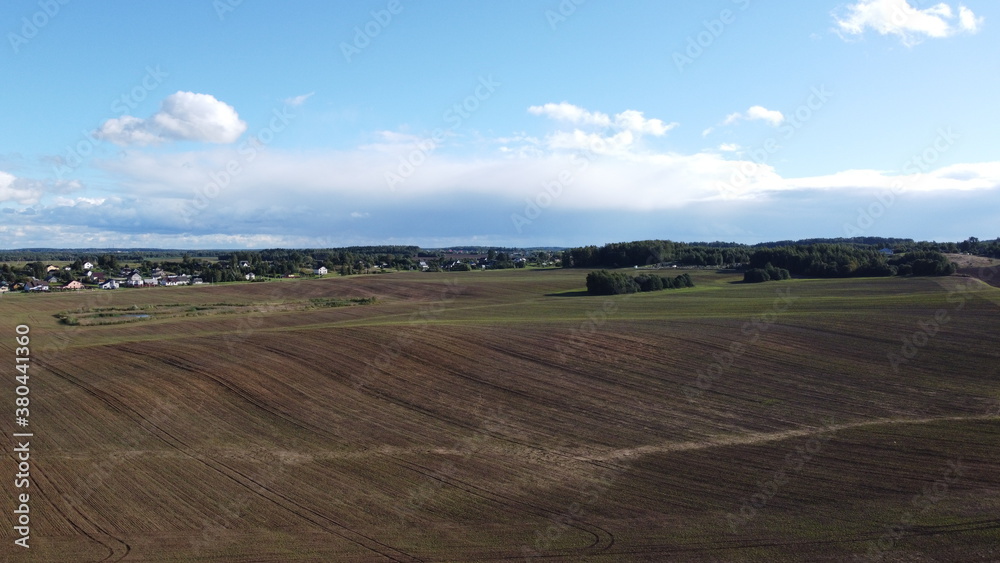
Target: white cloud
{"type": "Point", "coordinates": [634, 121]}
{"type": "Point", "coordinates": [574, 114]}
{"type": "Point", "coordinates": [910, 24]}
{"type": "Point", "coordinates": [13, 190]}
{"type": "Point", "coordinates": [29, 192]}
{"type": "Point", "coordinates": [628, 120]}
{"type": "Point", "coordinates": [360, 215]}
{"type": "Point", "coordinates": [183, 116]}
{"type": "Point", "coordinates": [296, 101]}
{"type": "Point", "coordinates": [755, 113]}
{"type": "Point", "coordinates": [729, 147]}
{"type": "Point", "coordinates": [969, 21]}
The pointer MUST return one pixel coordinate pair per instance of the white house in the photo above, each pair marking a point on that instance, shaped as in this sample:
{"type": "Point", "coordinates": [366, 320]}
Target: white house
{"type": "Point", "coordinates": [88, 266]}
{"type": "Point", "coordinates": [321, 271]}
{"type": "Point", "coordinates": [244, 264]}
{"type": "Point", "coordinates": [110, 284]}
{"type": "Point", "coordinates": [250, 276]}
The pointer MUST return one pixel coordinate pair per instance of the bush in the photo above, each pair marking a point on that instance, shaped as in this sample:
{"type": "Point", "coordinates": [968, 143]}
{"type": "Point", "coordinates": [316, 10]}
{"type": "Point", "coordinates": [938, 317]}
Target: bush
{"type": "Point", "coordinates": [603, 282]}
{"type": "Point", "coordinates": [767, 273]}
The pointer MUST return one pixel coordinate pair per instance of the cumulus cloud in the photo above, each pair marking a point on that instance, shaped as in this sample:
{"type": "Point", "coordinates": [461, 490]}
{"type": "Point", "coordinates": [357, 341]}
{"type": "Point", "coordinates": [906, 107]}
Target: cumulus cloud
{"type": "Point", "coordinates": [604, 134]}
{"type": "Point", "coordinates": [628, 120]}
{"type": "Point", "coordinates": [9, 192]}
{"type": "Point", "coordinates": [911, 24]}
{"type": "Point", "coordinates": [574, 114]}
{"type": "Point", "coordinates": [756, 113]}
{"type": "Point", "coordinates": [27, 191]}
{"type": "Point", "coordinates": [183, 116]}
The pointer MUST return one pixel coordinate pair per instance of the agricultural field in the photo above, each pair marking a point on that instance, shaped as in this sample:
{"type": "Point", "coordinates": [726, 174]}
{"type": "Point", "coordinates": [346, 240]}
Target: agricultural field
{"type": "Point", "coordinates": [504, 415]}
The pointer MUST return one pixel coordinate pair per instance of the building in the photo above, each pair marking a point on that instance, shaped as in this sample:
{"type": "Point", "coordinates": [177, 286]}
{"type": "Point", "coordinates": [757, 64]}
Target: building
{"type": "Point", "coordinates": [109, 284]}
{"type": "Point", "coordinates": [88, 266]}
{"type": "Point", "coordinates": [36, 285]}
{"type": "Point", "coordinates": [321, 271]}
{"type": "Point", "coordinates": [73, 285]}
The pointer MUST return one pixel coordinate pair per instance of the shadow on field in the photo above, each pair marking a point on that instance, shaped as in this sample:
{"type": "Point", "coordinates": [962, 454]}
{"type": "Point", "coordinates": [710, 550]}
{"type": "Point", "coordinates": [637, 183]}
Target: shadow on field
{"type": "Point", "coordinates": [580, 293]}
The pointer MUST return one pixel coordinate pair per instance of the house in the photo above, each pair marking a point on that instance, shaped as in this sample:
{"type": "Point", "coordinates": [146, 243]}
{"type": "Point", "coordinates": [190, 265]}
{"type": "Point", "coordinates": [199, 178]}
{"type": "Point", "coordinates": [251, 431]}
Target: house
{"type": "Point", "coordinates": [250, 276]}
{"type": "Point", "coordinates": [321, 271]}
{"type": "Point", "coordinates": [149, 281]}
{"type": "Point", "coordinates": [196, 281]}
{"type": "Point", "coordinates": [424, 266]}
{"type": "Point", "coordinates": [158, 273]}
{"type": "Point", "coordinates": [51, 268]}
{"type": "Point", "coordinates": [73, 285]}
{"type": "Point", "coordinates": [88, 266]}
{"type": "Point", "coordinates": [68, 268]}
{"type": "Point", "coordinates": [96, 276]}
{"type": "Point", "coordinates": [244, 264]}
{"type": "Point", "coordinates": [51, 279]}
{"type": "Point", "coordinates": [175, 280]}
{"type": "Point", "coordinates": [36, 285]}
{"type": "Point", "coordinates": [4, 288]}
{"type": "Point", "coordinates": [109, 284]}
{"type": "Point", "coordinates": [134, 280]}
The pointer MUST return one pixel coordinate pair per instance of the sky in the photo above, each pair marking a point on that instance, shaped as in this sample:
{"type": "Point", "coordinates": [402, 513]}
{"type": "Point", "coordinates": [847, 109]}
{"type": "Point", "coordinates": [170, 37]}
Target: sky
{"type": "Point", "coordinates": [261, 124]}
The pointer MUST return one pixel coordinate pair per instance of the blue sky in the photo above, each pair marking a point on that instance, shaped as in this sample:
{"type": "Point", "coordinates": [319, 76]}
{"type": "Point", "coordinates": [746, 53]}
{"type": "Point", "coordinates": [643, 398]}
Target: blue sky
{"type": "Point", "coordinates": [229, 123]}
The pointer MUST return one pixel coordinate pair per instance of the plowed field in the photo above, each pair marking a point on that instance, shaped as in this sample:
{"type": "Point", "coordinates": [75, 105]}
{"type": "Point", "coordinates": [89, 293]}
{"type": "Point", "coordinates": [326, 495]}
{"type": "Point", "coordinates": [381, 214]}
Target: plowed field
{"type": "Point", "coordinates": [493, 416]}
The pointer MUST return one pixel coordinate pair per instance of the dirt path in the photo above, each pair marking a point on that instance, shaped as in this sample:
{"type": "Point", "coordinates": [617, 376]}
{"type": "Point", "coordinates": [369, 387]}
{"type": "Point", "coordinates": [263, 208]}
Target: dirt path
{"type": "Point", "coordinates": [765, 437]}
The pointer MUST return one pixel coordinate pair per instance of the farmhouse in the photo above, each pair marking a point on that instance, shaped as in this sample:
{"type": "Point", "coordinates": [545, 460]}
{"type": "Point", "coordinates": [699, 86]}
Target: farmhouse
{"type": "Point", "coordinates": [36, 285]}
{"type": "Point", "coordinates": [88, 266]}
{"type": "Point", "coordinates": [175, 280]}
{"type": "Point", "coordinates": [321, 271]}
{"type": "Point", "coordinates": [109, 284]}
{"type": "Point", "coordinates": [134, 280]}
{"type": "Point", "coordinates": [73, 285]}
{"type": "Point", "coordinates": [244, 264]}
{"type": "Point", "coordinates": [51, 268]}
{"type": "Point", "coordinates": [250, 276]}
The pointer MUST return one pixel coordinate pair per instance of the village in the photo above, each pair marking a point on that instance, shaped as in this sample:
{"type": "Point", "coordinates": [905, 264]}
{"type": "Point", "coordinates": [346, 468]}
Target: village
{"type": "Point", "coordinates": [104, 273]}
{"type": "Point", "coordinates": [125, 277]}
